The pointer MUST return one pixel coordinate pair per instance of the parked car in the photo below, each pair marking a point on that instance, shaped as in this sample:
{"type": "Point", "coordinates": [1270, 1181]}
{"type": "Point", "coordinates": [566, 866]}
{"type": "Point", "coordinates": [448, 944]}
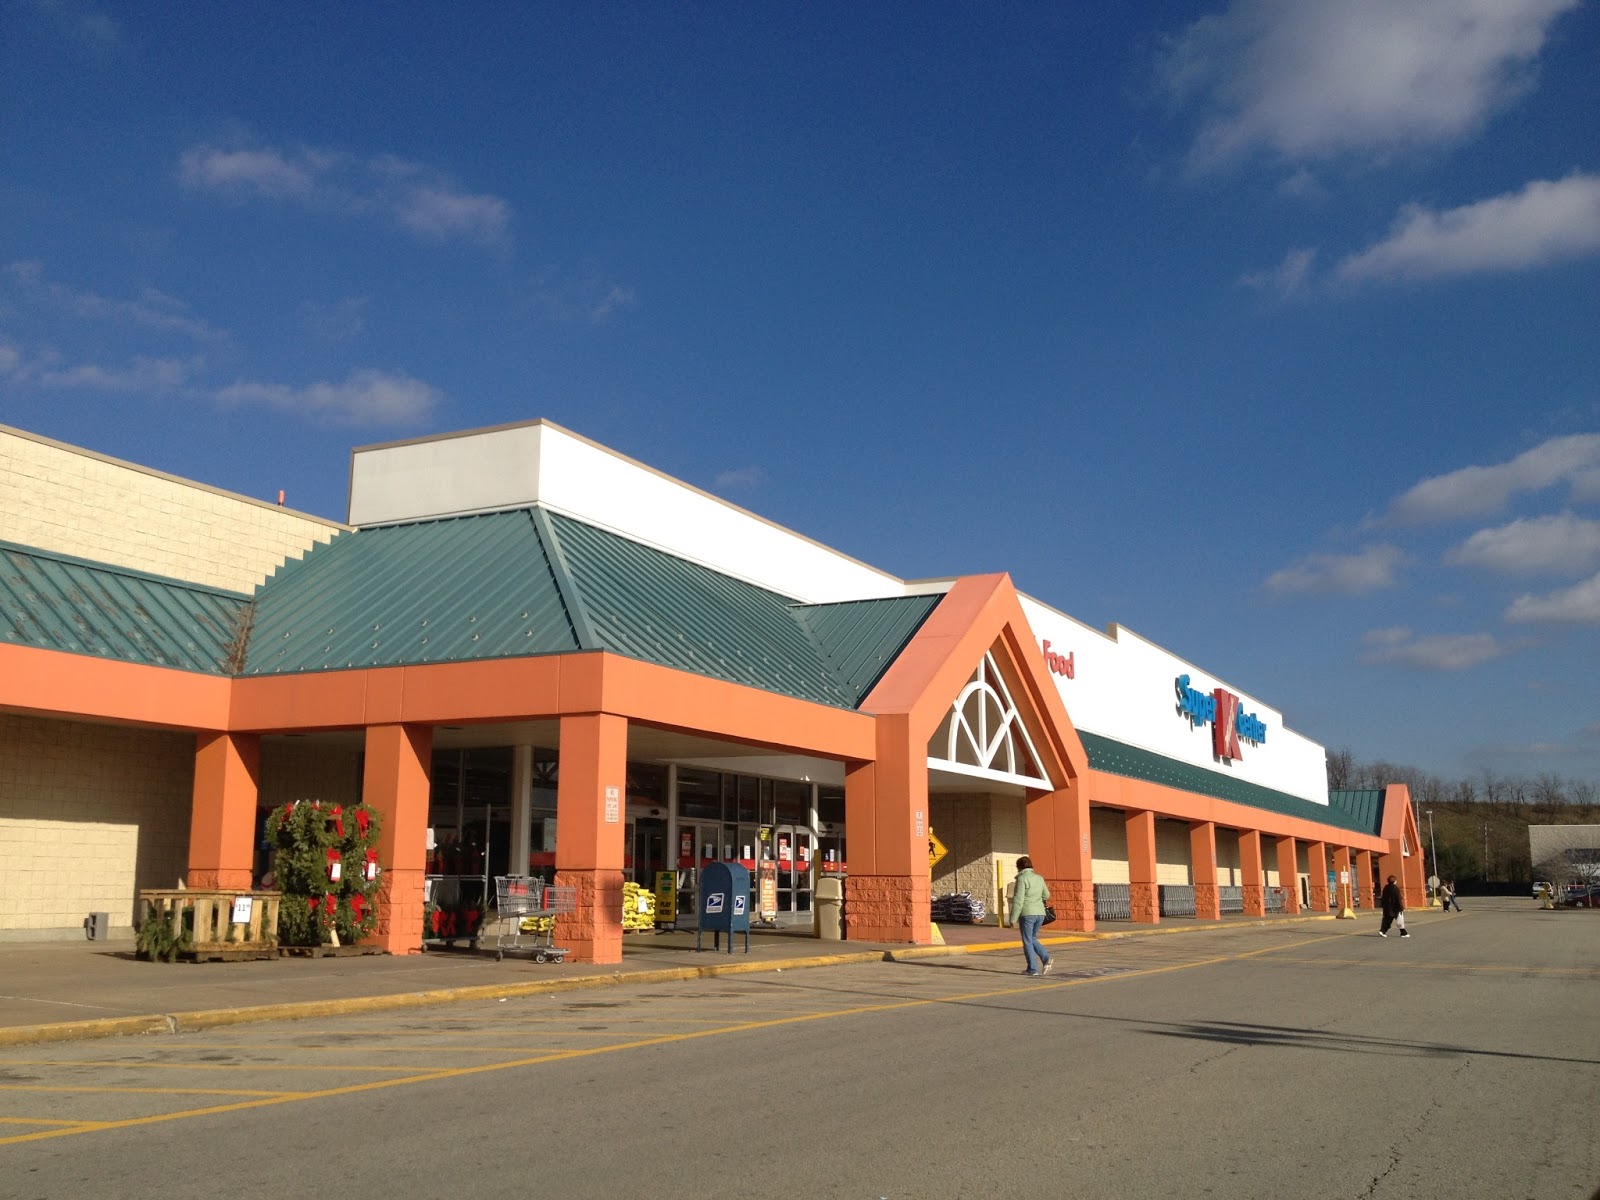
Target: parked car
{"type": "Point", "coordinates": [1583, 895]}
{"type": "Point", "coordinates": [1542, 886]}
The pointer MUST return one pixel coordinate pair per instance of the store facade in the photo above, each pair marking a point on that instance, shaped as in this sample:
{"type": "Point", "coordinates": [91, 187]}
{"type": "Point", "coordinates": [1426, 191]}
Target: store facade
{"type": "Point", "coordinates": [533, 654]}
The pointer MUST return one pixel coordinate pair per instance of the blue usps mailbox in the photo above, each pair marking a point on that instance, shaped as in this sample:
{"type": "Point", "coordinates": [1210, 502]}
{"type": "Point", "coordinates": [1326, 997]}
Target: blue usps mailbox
{"type": "Point", "coordinates": [724, 904]}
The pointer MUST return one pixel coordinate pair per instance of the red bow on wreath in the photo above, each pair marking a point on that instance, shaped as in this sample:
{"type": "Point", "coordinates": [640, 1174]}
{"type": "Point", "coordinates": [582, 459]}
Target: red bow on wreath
{"type": "Point", "coordinates": [329, 906]}
{"type": "Point", "coordinates": [363, 821]}
{"type": "Point", "coordinates": [358, 906]}
{"type": "Point", "coordinates": [338, 820]}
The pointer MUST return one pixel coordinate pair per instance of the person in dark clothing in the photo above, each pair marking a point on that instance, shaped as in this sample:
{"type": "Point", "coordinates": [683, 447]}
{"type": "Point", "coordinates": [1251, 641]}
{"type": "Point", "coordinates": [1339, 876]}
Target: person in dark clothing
{"type": "Point", "coordinates": [1394, 909]}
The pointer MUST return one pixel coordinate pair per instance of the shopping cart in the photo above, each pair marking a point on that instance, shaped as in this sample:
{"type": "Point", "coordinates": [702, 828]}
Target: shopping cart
{"type": "Point", "coordinates": [524, 905]}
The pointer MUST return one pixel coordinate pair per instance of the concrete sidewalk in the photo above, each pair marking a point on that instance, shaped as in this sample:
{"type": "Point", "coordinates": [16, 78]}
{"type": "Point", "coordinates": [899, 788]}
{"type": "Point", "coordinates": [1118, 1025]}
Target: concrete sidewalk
{"type": "Point", "coordinates": [60, 991]}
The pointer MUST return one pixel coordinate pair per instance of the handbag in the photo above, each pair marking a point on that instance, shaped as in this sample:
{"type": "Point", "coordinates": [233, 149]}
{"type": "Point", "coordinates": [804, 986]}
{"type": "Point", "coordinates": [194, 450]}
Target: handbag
{"type": "Point", "coordinates": [1049, 915]}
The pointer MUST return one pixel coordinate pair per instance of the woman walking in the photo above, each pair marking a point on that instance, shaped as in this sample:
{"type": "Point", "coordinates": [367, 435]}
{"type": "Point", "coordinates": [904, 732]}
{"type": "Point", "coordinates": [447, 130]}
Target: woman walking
{"type": "Point", "coordinates": [1027, 914]}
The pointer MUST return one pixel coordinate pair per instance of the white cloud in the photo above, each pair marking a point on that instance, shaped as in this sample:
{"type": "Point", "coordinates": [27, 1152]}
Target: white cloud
{"type": "Point", "coordinates": [1288, 278]}
{"type": "Point", "coordinates": [260, 172]}
{"type": "Point", "coordinates": [1576, 605]}
{"type": "Point", "coordinates": [617, 297]}
{"type": "Point", "coordinates": [152, 310]}
{"type": "Point", "coordinates": [416, 197]}
{"type": "Point", "coordinates": [1547, 221]}
{"type": "Point", "coordinates": [367, 397]}
{"type": "Point", "coordinates": [1474, 491]}
{"type": "Point", "coordinates": [438, 212]}
{"type": "Point", "coordinates": [1435, 652]}
{"type": "Point", "coordinates": [1312, 80]}
{"type": "Point", "coordinates": [1338, 574]}
{"type": "Point", "coordinates": [1561, 542]}
{"type": "Point", "coordinates": [146, 376]}
{"type": "Point", "coordinates": [336, 322]}
{"type": "Point", "coordinates": [742, 477]}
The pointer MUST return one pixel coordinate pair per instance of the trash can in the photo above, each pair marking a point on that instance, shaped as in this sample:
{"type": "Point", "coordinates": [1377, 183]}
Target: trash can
{"type": "Point", "coordinates": [829, 909]}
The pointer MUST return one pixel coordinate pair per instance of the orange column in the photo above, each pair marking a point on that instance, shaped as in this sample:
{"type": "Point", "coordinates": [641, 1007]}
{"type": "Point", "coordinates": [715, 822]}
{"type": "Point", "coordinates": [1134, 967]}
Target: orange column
{"type": "Point", "coordinates": [222, 818]}
{"type": "Point", "coordinates": [396, 781]}
{"type": "Point", "coordinates": [1254, 879]}
{"type": "Point", "coordinates": [1203, 869]}
{"type": "Point", "coordinates": [1317, 868]}
{"type": "Point", "coordinates": [1343, 879]}
{"type": "Point", "coordinates": [1058, 843]}
{"type": "Point", "coordinates": [590, 810]}
{"type": "Point", "coordinates": [1370, 885]}
{"type": "Point", "coordinates": [888, 892]}
{"type": "Point", "coordinates": [1144, 896]}
{"type": "Point", "coordinates": [1289, 873]}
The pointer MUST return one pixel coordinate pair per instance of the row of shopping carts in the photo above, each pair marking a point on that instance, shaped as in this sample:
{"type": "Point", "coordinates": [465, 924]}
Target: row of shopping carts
{"type": "Point", "coordinates": [525, 915]}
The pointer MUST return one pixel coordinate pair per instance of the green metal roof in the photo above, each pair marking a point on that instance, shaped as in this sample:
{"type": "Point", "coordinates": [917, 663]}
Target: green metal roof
{"type": "Point", "coordinates": [532, 582]}
{"type": "Point", "coordinates": [1362, 807]}
{"type": "Point", "coordinates": [1119, 758]}
{"type": "Point", "coordinates": [56, 602]}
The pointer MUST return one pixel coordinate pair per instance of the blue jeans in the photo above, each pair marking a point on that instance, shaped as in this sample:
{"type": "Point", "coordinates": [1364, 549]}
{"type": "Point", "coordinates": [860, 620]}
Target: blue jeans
{"type": "Point", "coordinates": [1031, 949]}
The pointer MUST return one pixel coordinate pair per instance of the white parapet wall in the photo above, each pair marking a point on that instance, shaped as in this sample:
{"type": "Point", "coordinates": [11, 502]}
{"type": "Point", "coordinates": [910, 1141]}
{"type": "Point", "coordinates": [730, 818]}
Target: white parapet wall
{"type": "Point", "coordinates": [1123, 687]}
{"type": "Point", "coordinates": [514, 466]}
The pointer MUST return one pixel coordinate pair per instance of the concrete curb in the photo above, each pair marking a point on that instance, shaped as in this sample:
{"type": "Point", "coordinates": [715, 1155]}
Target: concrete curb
{"type": "Point", "coordinates": [184, 1022]}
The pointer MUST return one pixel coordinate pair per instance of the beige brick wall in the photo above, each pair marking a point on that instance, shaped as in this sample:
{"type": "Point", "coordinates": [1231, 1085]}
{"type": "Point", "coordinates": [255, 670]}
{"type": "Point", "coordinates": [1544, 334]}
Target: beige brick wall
{"type": "Point", "coordinates": [302, 769]}
{"type": "Point", "coordinates": [89, 814]}
{"type": "Point", "coordinates": [73, 501]}
{"type": "Point", "coordinates": [1108, 843]}
{"type": "Point", "coordinates": [978, 830]}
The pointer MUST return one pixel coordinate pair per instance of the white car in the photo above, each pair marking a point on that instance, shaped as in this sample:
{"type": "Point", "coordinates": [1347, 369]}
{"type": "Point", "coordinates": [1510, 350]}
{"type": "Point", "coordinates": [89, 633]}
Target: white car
{"type": "Point", "coordinates": [1539, 889]}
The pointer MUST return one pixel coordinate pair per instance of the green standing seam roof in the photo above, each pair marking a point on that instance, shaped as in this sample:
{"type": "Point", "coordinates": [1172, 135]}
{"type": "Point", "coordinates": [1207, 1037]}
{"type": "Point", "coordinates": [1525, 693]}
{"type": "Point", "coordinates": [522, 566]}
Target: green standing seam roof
{"type": "Point", "coordinates": [435, 591]}
{"type": "Point", "coordinates": [55, 602]}
{"type": "Point", "coordinates": [1363, 808]}
{"type": "Point", "coordinates": [533, 582]}
{"type": "Point", "coordinates": [1131, 762]}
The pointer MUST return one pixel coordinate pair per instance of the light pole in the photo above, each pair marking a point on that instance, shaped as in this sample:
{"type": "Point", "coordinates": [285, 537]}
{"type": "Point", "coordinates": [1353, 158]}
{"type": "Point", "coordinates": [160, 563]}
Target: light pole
{"type": "Point", "coordinates": [1433, 848]}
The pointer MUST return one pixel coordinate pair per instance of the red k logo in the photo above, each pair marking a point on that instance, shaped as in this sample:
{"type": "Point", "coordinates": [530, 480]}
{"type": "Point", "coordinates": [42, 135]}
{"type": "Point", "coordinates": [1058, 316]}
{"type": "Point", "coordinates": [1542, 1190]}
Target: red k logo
{"type": "Point", "coordinates": [1225, 726]}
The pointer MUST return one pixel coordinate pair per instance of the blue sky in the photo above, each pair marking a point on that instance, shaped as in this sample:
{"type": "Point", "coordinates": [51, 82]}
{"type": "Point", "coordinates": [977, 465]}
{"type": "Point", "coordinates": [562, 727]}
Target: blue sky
{"type": "Point", "coordinates": [1268, 330]}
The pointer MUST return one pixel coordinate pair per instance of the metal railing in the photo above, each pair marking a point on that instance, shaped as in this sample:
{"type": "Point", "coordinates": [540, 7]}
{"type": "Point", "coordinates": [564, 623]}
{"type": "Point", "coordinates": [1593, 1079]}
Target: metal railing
{"type": "Point", "coordinates": [1274, 899]}
{"type": "Point", "coordinates": [1113, 902]}
{"type": "Point", "coordinates": [1230, 899]}
{"type": "Point", "coordinates": [1176, 900]}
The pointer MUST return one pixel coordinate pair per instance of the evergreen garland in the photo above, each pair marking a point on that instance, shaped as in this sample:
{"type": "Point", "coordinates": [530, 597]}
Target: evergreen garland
{"type": "Point", "coordinates": [310, 837]}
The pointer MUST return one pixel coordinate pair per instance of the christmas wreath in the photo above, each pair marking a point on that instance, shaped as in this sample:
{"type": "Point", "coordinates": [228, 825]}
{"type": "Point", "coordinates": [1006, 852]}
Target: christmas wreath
{"type": "Point", "coordinates": [326, 866]}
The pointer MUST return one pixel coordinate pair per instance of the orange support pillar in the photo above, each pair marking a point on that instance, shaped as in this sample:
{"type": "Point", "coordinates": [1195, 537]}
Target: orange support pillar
{"type": "Point", "coordinates": [1317, 868]}
{"type": "Point", "coordinates": [1145, 898]}
{"type": "Point", "coordinates": [222, 819]}
{"type": "Point", "coordinates": [1203, 870]}
{"type": "Point", "coordinates": [1058, 843]}
{"type": "Point", "coordinates": [1369, 883]}
{"type": "Point", "coordinates": [396, 781]}
{"type": "Point", "coordinates": [1344, 881]}
{"type": "Point", "coordinates": [1250, 871]}
{"type": "Point", "coordinates": [888, 892]}
{"type": "Point", "coordinates": [1289, 874]}
{"type": "Point", "coordinates": [590, 814]}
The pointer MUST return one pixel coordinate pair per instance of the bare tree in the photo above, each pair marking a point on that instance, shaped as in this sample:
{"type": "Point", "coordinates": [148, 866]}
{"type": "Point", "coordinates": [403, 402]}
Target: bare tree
{"type": "Point", "coordinates": [1565, 854]}
{"type": "Point", "coordinates": [1341, 769]}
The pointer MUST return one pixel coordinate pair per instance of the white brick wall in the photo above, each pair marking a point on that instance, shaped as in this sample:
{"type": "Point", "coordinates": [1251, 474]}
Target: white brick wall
{"type": "Point", "coordinates": [89, 814]}
{"type": "Point", "coordinates": [72, 501]}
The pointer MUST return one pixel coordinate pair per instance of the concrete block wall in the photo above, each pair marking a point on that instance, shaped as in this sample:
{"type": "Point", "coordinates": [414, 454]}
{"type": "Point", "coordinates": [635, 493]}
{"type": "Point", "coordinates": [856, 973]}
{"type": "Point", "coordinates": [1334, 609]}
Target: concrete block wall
{"type": "Point", "coordinates": [978, 830]}
{"type": "Point", "coordinates": [1172, 853]}
{"type": "Point", "coordinates": [72, 501]}
{"type": "Point", "coordinates": [304, 769]}
{"type": "Point", "coordinates": [1108, 843]}
{"type": "Point", "coordinates": [89, 814]}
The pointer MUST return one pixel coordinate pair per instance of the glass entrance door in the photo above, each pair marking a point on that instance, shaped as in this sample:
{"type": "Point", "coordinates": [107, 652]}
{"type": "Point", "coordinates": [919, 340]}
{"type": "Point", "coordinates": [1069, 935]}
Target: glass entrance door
{"type": "Point", "coordinates": [795, 850]}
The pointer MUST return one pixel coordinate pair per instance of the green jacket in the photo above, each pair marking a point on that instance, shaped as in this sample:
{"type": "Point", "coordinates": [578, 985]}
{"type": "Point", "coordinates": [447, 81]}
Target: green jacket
{"type": "Point", "coordinates": [1030, 896]}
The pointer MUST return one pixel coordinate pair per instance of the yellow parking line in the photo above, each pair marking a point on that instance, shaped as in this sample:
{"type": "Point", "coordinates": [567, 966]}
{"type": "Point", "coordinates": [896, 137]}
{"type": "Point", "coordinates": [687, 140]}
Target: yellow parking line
{"type": "Point", "coordinates": [138, 1091]}
{"type": "Point", "coordinates": [182, 1066]}
{"type": "Point", "coordinates": [34, 1121]}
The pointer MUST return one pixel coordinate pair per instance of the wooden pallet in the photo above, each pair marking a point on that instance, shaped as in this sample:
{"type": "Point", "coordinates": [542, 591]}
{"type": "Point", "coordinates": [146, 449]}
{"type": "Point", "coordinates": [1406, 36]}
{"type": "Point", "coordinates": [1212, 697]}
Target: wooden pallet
{"type": "Point", "coordinates": [328, 951]}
